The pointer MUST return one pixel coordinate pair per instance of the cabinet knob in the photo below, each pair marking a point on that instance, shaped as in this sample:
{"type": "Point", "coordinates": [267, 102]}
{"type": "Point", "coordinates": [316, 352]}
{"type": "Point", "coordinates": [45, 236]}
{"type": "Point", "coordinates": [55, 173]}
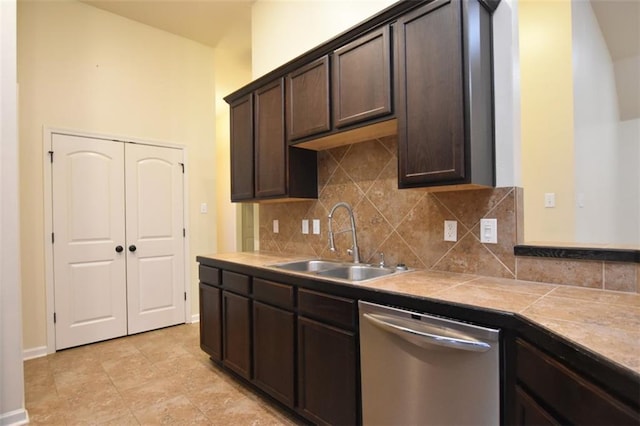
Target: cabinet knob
{"type": "Point", "coordinates": [132, 248]}
{"type": "Point", "coordinates": [119, 249]}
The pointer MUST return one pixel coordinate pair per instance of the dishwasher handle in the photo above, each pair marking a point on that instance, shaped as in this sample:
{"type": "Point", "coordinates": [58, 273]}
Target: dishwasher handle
{"type": "Point", "coordinates": [428, 336]}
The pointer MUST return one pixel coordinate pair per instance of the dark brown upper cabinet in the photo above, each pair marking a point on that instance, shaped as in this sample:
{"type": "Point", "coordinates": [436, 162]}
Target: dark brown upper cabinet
{"type": "Point", "coordinates": [362, 79]}
{"type": "Point", "coordinates": [421, 70]}
{"type": "Point", "coordinates": [445, 95]}
{"type": "Point", "coordinates": [263, 166]}
{"type": "Point", "coordinates": [242, 149]}
{"type": "Point", "coordinates": [270, 144]}
{"type": "Point", "coordinates": [358, 91]}
{"type": "Point", "coordinates": [308, 100]}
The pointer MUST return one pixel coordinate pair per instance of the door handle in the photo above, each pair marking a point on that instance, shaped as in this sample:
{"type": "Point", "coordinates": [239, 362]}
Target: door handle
{"type": "Point", "coordinates": [119, 249]}
{"type": "Point", "coordinates": [423, 335]}
{"type": "Point", "coordinates": [132, 248]}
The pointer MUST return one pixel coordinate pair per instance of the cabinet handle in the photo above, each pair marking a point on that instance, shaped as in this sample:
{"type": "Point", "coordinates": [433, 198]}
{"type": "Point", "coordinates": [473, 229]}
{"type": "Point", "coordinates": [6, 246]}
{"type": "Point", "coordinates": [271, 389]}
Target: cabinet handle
{"type": "Point", "coordinates": [132, 248]}
{"type": "Point", "coordinates": [119, 249]}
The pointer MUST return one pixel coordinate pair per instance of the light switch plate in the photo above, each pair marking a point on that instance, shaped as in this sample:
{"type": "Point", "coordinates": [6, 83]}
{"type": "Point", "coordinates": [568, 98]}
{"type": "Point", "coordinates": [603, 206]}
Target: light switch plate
{"type": "Point", "coordinates": [276, 226]}
{"type": "Point", "coordinates": [204, 208]}
{"type": "Point", "coordinates": [305, 226]}
{"type": "Point", "coordinates": [450, 230]}
{"type": "Point", "coordinates": [316, 226]}
{"type": "Point", "coordinates": [489, 231]}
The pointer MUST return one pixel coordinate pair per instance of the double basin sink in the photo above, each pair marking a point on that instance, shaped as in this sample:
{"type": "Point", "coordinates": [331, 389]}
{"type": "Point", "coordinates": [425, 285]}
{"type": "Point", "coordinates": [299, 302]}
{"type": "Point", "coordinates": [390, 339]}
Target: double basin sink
{"type": "Point", "coordinates": [340, 270]}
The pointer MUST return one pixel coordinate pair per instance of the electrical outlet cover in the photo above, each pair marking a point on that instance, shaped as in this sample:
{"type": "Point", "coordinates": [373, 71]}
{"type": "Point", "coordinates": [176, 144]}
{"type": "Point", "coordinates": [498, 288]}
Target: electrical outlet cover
{"type": "Point", "coordinates": [450, 230]}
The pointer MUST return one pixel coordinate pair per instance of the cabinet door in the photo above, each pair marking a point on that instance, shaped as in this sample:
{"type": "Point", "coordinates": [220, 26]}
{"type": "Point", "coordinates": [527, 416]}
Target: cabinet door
{"type": "Point", "coordinates": [236, 322]}
{"type": "Point", "coordinates": [362, 79]}
{"type": "Point", "coordinates": [327, 377]}
{"type": "Point", "coordinates": [431, 132]}
{"type": "Point", "coordinates": [270, 144]}
{"type": "Point", "coordinates": [242, 149]}
{"type": "Point", "coordinates": [308, 99]}
{"type": "Point", "coordinates": [211, 321]}
{"type": "Point", "coordinates": [566, 393]}
{"type": "Point", "coordinates": [273, 359]}
{"type": "Point", "coordinates": [530, 413]}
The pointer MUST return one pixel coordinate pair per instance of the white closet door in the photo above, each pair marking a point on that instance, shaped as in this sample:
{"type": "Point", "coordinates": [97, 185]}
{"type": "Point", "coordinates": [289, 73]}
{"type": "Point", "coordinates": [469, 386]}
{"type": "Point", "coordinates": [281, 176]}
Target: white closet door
{"type": "Point", "coordinates": [89, 225]}
{"type": "Point", "coordinates": [155, 242]}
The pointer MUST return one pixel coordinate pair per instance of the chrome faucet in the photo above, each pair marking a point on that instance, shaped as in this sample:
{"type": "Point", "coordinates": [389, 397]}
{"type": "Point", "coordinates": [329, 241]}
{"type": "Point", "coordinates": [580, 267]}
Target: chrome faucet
{"type": "Point", "coordinates": [332, 245]}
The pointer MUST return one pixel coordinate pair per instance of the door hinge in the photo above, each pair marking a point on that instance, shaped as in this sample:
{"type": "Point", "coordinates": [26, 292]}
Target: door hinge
{"type": "Point", "coordinates": [53, 238]}
{"type": "Point", "coordinates": [185, 296]}
{"type": "Point", "coordinates": [182, 165]}
{"type": "Point", "coordinates": [51, 156]}
{"type": "Point", "coordinates": [184, 232]}
{"type": "Point", "coordinates": [54, 318]}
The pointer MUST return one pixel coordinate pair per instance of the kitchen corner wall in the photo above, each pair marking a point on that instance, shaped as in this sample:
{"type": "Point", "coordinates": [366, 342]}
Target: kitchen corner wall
{"type": "Point", "coordinates": [406, 225]}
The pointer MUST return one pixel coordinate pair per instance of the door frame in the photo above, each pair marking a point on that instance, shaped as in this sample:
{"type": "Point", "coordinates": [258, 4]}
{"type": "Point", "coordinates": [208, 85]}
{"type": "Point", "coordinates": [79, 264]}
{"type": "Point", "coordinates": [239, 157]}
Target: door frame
{"type": "Point", "coordinates": [47, 140]}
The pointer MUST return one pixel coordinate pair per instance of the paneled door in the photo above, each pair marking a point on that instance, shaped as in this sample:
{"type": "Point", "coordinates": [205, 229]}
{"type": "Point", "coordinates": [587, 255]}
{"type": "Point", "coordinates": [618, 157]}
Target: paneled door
{"type": "Point", "coordinates": [117, 238]}
{"type": "Point", "coordinates": [90, 287]}
{"type": "Point", "coordinates": [155, 261]}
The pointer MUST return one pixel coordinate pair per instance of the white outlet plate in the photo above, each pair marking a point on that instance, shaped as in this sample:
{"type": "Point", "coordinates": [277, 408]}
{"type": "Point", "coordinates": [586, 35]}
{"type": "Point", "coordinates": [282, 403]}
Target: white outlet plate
{"type": "Point", "coordinates": [549, 200]}
{"type": "Point", "coordinates": [316, 226]}
{"type": "Point", "coordinates": [305, 226]}
{"type": "Point", "coordinates": [489, 231]}
{"type": "Point", "coordinates": [450, 230]}
{"type": "Point", "coordinates": [276, 226]}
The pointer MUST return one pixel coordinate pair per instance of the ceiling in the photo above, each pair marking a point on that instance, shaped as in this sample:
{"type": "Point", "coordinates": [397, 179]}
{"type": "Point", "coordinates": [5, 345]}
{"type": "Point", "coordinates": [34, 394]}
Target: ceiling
{"type": "Point", "coordinates": [205, 21]}
{"type": "Point", "coordinates": [619, 22]}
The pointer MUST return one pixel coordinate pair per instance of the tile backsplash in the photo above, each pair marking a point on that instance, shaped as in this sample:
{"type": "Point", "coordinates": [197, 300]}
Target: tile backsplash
{"type": "Point", "coordinates": [406, 225]}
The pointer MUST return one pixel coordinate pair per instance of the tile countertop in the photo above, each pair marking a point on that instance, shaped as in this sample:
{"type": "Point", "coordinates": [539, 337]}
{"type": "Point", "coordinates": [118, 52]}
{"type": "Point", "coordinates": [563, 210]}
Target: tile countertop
{"type": "Point", "coordinates": [604, 322]}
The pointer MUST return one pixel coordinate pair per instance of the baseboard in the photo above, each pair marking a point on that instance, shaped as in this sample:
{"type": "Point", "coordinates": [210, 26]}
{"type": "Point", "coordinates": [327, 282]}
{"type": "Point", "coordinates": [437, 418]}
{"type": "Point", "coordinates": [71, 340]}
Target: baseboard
{"type": "Point", "coordinates": [32, 353]}
{"type": "Point", "coordinates": [195, 318]}
{"type": "Point", "coordinates": [14, 418]}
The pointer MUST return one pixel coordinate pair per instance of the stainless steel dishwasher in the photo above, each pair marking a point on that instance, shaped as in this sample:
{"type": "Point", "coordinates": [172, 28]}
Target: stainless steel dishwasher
{"type": "Point", "coordinates": [420, 369]}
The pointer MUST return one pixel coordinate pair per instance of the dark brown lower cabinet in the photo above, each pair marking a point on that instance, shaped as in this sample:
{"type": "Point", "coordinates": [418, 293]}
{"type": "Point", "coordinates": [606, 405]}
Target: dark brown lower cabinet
{"type": "Point", "coordinates": [273, 351]}
{"type": "Point", "coordinates": [211, 321]}
{"type": "Point", "coordinates": [549, 392]}
{"type": "Point", "coordinates": [327, 390]}
{"type": "Point", "coordinates": [529, 412]}
{"type": "Point", "coordinates": [236, 333]}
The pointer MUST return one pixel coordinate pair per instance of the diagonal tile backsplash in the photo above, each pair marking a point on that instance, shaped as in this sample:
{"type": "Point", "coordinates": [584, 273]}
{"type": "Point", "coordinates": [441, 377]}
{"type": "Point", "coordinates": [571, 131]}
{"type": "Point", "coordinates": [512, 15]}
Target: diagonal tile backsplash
{"type": "Point", "coordinates": [406, 225]}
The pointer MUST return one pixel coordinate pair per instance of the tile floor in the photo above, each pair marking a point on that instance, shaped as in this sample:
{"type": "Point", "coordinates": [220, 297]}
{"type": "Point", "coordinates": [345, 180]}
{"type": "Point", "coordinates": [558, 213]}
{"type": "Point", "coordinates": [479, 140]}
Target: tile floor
{"type": "Point", "coordinates": [158, 377]}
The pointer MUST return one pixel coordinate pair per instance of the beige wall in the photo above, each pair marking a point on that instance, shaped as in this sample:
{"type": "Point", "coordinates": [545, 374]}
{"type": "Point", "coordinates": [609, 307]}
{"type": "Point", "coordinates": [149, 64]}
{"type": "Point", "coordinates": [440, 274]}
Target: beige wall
{"type": "Point", "coordinates": [282, 30]}
{"type": "Point", "coordinates": [85, 69]}
{"type": "Point", "coordinates": [546, 78]}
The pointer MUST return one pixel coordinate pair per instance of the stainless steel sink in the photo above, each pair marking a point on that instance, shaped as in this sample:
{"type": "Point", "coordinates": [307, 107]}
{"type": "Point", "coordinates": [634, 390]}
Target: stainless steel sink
{"type": "Point", "coordinates": [357, 272]}
{"type": "Point", "coordinates": [309, 265]}
{"type": "Point", "coordinates": [336, 269]}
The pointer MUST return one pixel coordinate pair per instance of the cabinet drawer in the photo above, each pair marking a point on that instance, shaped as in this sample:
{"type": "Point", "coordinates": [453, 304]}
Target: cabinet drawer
{"type": "Point", "coordinates": [332, 309]}
{"type": "Point", "coordinates": [273, 293]}
{"type": "Point", "coordinates": [237, 283]}
{"type": "Point", "coordinates": [565, 393]}
{"type": "Point", "coordinates": [209, 275]}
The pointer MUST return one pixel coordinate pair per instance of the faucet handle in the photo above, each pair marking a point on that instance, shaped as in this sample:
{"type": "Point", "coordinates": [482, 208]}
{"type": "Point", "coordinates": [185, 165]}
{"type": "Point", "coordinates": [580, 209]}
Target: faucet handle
{"type": "Point", "coordinates": [350, 251]}
{"type": "Point", "coordinates": [381, 264]}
